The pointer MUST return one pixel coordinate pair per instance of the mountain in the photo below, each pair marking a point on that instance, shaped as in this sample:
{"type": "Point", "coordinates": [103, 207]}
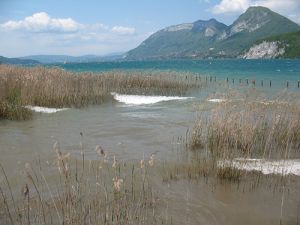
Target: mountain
{"type": "Point", "coordinates": [203, 39]}
{"type": "Point", "coordinates": [283, 46]}
{"type": "Point", "coordinates": [18, 61]}
{"type": "Point", "coordinates": [179, 40]}
{"type": "Point", "coordinates": [49, 59]}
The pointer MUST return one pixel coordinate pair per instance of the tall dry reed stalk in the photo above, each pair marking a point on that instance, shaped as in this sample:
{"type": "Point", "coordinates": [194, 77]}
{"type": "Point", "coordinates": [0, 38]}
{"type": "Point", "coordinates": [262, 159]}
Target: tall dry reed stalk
{"type": "Point", "coordinates": [249, 129]}
{"type": "Point", "coordinates": [54, 87]}
{"type": "Point", "coordinates": [96, 193]}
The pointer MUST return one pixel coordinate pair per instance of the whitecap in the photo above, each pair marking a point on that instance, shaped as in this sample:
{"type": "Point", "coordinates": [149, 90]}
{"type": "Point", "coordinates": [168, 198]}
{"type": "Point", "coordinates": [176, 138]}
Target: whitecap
{"type": "Point", "coordinates": [145, 100]}
{"type": "Point", "coordinates": [44, 109]}
{"type": "Point", "coordinates": [281, 167]}
{"type": "Point", "coordinates": [216, 100]}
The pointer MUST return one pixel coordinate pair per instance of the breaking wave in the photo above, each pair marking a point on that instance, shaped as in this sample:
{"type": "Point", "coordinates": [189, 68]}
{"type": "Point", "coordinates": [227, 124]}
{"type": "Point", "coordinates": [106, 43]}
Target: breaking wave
{"type": "Point", "coordinates": [44, 109]}
{"type": "Point", "coordinates": [145, 100]}
{"type": "Point", "coordinates": [281, 167]}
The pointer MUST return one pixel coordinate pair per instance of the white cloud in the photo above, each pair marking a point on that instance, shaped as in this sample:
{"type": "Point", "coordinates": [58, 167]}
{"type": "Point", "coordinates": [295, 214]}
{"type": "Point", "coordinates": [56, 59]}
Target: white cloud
{"type": "Point", "coordinates": [231, 6]}
{"type": "Point", "coordinates": [286, 7]}
{"type": "Point", "coordinates": [278, 5]}
{"type": "Point", "coordinates": [64, 36]}
{"type": "Point", "coordinates": [42, 22]}
{"type": "Point", "coordinates": [123, 30]}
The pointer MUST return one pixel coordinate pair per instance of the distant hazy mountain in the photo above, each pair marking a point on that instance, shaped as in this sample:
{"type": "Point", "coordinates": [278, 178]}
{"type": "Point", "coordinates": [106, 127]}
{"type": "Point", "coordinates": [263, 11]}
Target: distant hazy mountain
{"type": "Point", "coordinates": [203, 39]}
{"type": "Point", "coordinates": [48, 59]}
{"type": "Point", "coordinates": [5, 60]}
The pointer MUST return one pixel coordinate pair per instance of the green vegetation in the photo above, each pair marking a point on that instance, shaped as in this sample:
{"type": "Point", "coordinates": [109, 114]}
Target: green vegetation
{"type": "Point", "coordinates": [290, 42]}
{"type": "Point", "coordinates": [211, 38]}
{"type": "Point", "coordinates": [177, 44]}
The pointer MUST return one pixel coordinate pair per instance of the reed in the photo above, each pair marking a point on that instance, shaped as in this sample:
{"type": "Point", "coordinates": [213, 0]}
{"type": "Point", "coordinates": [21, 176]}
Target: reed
{"type": "Point", "coordinates": [247, 127]}
{"type": "Point", "coordinates": [54, 87]}
{"type": "Point", "coordinates": [103, 191]}
{"type": "Point", "coordinates": [269, 129]}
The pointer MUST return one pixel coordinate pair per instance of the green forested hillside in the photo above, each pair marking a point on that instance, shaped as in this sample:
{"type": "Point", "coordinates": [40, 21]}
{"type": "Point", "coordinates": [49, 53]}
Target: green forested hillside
{"type": "Point", "coordinates": [203, 39]}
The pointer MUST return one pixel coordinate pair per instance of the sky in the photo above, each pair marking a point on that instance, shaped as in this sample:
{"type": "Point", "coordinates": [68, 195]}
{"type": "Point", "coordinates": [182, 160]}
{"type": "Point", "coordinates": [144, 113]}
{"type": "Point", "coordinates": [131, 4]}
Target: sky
{"type": "Point", "coordinates": [101, 27]}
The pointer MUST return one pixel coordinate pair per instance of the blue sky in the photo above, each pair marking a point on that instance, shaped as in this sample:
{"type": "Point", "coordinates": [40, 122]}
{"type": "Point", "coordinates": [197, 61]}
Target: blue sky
{"type": "Point", "coordinates": [101, 27]}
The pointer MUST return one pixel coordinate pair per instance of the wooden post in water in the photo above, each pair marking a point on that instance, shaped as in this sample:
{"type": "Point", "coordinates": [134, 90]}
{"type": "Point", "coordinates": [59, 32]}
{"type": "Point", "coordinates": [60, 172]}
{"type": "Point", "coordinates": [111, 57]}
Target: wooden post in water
{"type": "Point", "coordinates": [227, 79]}
{"type": "Point", "coordinates": [247, 81]}
{"type": "Point", "coordinates": [298, 84]}
{"type": "Point", "coordinates": [254, 82]}
{"type": "Point", "coordinates": [233, 80]}
{"type": "Point", "coordinates": [210, 79]}
{"type": "Point", "coordinates": [215, 79]}
{"type": "Point", "coordinates": [287, 84]}
{"type": "Point", "coordinates": [270, 83]}
{"type": "Point", "coordinates": [262, 83]}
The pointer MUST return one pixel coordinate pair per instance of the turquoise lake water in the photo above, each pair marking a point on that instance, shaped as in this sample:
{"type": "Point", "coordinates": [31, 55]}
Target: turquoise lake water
{"type": "Point", "coordinates": [279, 71]}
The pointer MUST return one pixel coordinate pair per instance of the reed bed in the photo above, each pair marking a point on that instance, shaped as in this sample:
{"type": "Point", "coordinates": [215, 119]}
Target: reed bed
{"type": "Point", "coordinates": [54, 87]}
{"type": "Point", "coordinates": [103, 191]}
{"type": "Point", "coordinates": [245, 125]}
{"type": "Point", "coordinates": [248, 128]}
{"type": "Point", "coordinates": [267, 128]}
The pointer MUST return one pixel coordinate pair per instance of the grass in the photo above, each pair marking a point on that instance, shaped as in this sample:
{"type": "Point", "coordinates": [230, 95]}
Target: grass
{"type": "Point", "coordinates": [54, 87]}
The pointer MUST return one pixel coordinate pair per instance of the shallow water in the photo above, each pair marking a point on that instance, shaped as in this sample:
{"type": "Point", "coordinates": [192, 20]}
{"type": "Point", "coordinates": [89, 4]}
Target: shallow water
{"type": "Point", "coordinates": [127, 131]}
{"type": "Point", "coordinates": [131, 130]}
{"type": "Point", "coordinates": [231, 203]}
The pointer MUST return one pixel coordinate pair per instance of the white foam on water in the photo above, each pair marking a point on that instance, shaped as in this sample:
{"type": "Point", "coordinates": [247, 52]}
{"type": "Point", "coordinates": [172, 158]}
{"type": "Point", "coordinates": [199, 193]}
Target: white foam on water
{"type": "Point", "coordinates": [273, 102]}
{"type": "Point", "coordinates": [281, 167]}
{"type": "Point", "coordinates": [44, 109]}
{"type": "Point", "coordinates": [145, 100]}
{"type": "Point", "coordinates": [216, 100]}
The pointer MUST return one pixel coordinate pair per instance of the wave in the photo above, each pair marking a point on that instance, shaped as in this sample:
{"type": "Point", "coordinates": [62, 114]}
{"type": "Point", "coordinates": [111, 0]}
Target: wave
{"type": "Point", "coordinates": [216, 100]}
{"type": "Point", "coordinates": [145, 100]}
{"type": "Point", "coordinates": [44, 109]}
{"type": "Point", "coordinates": [281, 167]}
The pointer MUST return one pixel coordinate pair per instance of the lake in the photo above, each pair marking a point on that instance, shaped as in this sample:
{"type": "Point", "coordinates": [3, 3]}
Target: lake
{"type": "Point", "coordinates": [131, 128]}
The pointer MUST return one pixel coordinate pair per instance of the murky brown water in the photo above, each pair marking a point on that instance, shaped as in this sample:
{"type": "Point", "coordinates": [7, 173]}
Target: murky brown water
{"type": "Point", "coordinates": [131, 132]}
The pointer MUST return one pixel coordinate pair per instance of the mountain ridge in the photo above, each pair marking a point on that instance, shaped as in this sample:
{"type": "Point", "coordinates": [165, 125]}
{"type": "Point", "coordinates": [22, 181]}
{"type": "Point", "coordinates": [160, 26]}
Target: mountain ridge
{"type": "Point", "coordinates": [17, 61]}
{"type": "Point", "coordinates": [51, 59]}
{"type": "Point", "coordinates": [211, 38]}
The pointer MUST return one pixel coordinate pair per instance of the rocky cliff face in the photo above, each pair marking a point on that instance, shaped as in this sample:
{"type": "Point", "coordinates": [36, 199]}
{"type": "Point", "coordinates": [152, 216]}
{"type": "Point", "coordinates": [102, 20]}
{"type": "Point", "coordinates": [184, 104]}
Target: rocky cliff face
{"type": "Point", "coordinates": [265, 50]}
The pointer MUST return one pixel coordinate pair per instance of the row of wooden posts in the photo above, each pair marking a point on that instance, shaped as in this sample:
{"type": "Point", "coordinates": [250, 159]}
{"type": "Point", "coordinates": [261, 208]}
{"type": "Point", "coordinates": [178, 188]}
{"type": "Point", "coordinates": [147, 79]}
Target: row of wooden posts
{"type": "Point", "coordinates": [262, 82]}
{"type": "Point", "coordinates": [253, 82]}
